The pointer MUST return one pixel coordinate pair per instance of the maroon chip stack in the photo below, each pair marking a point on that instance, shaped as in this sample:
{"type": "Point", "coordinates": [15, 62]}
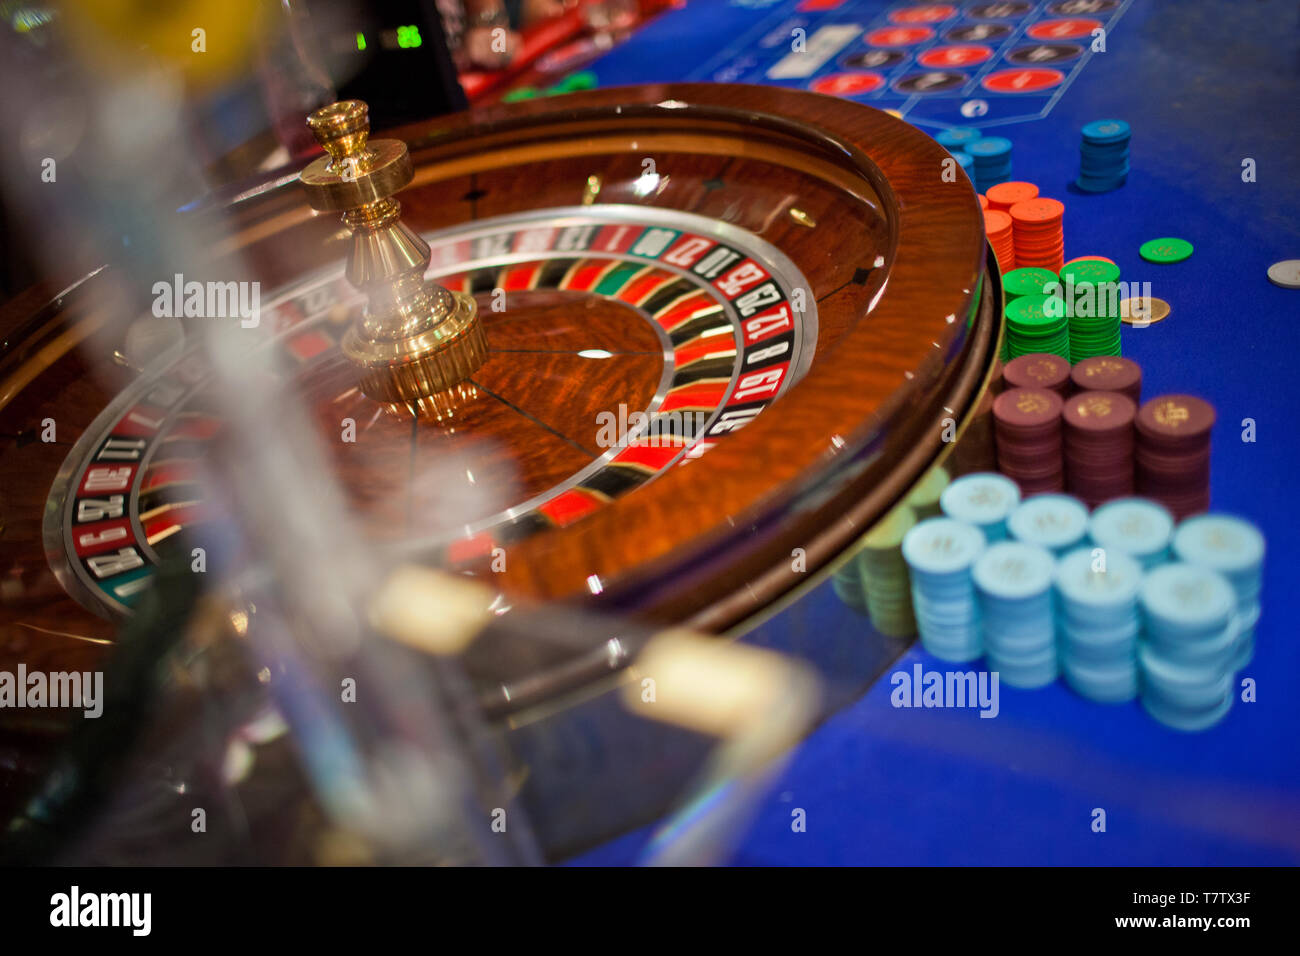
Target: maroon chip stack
{"type": "Point", "coordinates": [1027, 429]}
{"type": "Point", "coordinates": [1038, 370]}
{"type": "Point", "coordinates": [1173, 452]}
{"type": "Point", "coordinates": [1109, 373]}
{"type": "Point", "coordinates": [1099, 445]}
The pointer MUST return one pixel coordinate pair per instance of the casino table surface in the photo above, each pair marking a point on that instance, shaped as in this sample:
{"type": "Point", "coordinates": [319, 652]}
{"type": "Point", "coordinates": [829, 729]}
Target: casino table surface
{"type": "Point", "coordinates": [1205, 86]}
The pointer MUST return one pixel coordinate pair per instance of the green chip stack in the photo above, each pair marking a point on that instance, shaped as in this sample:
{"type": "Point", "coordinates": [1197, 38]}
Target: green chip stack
{"type": "Point", "coordinates": [1022, 282]}
{"type": "Point", "coordinates": [924, 499]}
{"type": "Point", "coordinates": [1037, 323]}
{"type": "Point", "coordinates": [884, 574]}
{"type": "Point", "coordinates": [847, 582]}
{"type": "Point", "coordinates": [1091, 291]}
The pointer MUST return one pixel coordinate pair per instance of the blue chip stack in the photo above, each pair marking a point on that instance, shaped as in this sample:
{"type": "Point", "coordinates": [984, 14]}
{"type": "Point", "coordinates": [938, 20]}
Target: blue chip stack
{"type": "Point", "coordinates": [1014, 583]}
{"type": "Point", "coordinates": [985, 499]}
{"type": "Point", "coordinates": [957, 138]}
{"type": "Point", "coordinates": [847, 583]}
{"type": "Point", "coordinates": [939, 555]}
{"type": "Point", "coordinates": [1058, 523]}
{"type": "Point", "coordinates": [1235, 548]}
{"type": "Point", "coordinates": [992, 156]}
{"type": "Point", "coordinates": [1188, 641]}
{"type": "Point", "coordinates": [966, 163]}
{"type": "Point", "coordinates": [1103, 156]}
{"type": "Point", "coordinates": [1136, 526]}
{"type": "Point", "coordinates": [1099, 623]}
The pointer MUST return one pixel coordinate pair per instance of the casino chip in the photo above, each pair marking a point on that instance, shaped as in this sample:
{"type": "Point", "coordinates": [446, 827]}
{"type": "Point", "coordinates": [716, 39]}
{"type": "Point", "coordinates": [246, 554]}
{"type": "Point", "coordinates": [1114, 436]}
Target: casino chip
{"type": "Point", "coordinates": [1133, 526]}
{"type": "Point", "coordinates": [1005, 195]}
{"type": "Point", "coordinates": [1285, 273]}
{"type": "Point", "coordinates": [1058, 523]}
{"type": "Point", "coordinates": [1166, 250]}
{"type": "Point", "coordinates": [1036, 323]}
{"type": "Point", "coordinates": [1099, 445]}
{"type": "Point", "coordinates": [1039, 239]}
{"type": "Point", "coordinates": [924, 499]}
{"type": "Point", "coordinates": [1235, 548]}
{"type": "Point", "coordinates": [884, 574]}
{"type": "Point", "coordinates": [1109, 374]}
{"type": "Point", "coordinates": [1026, 281]}
{"type": "Point", "coordinates": [1103, 156]}
{"type": "Point", "coordinates": [1188, 645]}
{"type": "Point", "coordinates": [958, 137]}
{"type": "Point", "coordinates": [992, 156]}
{"type": "Point", "coordinates": [1038, 369]}
{"type": "Point", "coordinates": [984, 499]}
{"type": "Point", "coordinates": [1098, 624]}
{"type": "Point", "coordinates": [1027, 434]}
{"type": "Point", "coordinates": [997, 227]}
{"type": "Point", "coordinates": [1091, 292]}
{"type": "Point", "coordinates": [1173, 452]}
{"type": "Point", "coordinates": [939, 554]}
{"type": "Point", "coordinates": [1014, 583]}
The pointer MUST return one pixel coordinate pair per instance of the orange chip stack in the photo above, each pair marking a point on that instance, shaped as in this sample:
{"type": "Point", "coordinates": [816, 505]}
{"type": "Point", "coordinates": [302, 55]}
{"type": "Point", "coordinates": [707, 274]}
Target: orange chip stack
{"type": "Point", "coordinates": [1005, 195]}
{"type": "Point", "coordinates": [997, 226]}
{"type": "Point", "coordinates": [984, 203]}
{"type": "Point", "coordinates": [1039, 240]}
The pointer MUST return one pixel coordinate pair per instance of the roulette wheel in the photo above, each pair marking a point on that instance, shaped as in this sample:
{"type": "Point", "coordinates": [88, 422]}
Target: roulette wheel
{"type": "Point", "coordinates": [689, 343]}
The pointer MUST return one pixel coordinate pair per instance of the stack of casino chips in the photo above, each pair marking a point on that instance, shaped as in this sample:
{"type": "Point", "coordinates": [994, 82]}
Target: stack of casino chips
{"type": "Point", "coordinates": [884, 574]}
{"type": "Point", "coordinates": [997, 227]}
{"type": "Point", "coordinates": [992, 156]}
{"type": "Point", "coordinates": [1189, 629]}
{"type": "Point", "coordinates": [848, 586]}
{"type": "Point", "coordinates": [1091, 291]}
{"type": "Point", "coordinates": [924, 499]}
{"type": "Point", "coordinates": [1173, 452]}
{"type": "Point", "coordinates": [939, 554]}
{"type": "Point", "coordinates": [1058, 523]}
{"type": "Point", "coordinates": [1109, 373]}
{"type": "Point", "coordinates": [1137, 527]}
{"type": "Point", "coordinates": [984, 499]}
{"type": "Point", "coordinates": [1027, 432]}
{"type": "Point", "coordinates": [1103, 156]}
{"type": "Point", "coordinates": [1039, 235]}
{"type": "Point", "coordinates": [1099, 445]}
{"type": "Point", "coordinates": [1038, 370]}
{"type": "Point", "coordinates": [1099, 623]}
{"type": "Point", "coordinates": [956, 139]}
{"type": "Point", "coordinates": [1235, 548]}
{"type": "Point", "coordinates": [1021, 282]}
{"type": "Point", "coordinates": [1014, 583]}
{"type": "Point", "coordinates": [1036, 323]}
{"type": "Point", "coordinates": [966, 163]}
{"type": "Point", "coordinates": [1005, 195]}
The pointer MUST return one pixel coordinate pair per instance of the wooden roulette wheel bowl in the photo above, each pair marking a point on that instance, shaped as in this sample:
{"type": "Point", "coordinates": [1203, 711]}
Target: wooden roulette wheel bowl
{"type": "Point", "coordinates": [628, 231]}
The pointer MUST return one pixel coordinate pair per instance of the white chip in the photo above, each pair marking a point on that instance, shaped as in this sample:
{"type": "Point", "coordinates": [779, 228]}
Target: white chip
{"type": "Point", "coordinates": [1285, 273]}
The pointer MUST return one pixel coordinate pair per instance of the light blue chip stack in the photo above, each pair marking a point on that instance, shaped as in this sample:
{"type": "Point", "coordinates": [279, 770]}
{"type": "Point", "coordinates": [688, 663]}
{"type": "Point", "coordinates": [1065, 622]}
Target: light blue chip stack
{"type": "Point", "coordinates": [1058, 523]}
{"type": "Point", "coordinates": [1189, 632]}
{"type": "Point", "coordinates": [939, 555]}
{"type": "Point", "coordinates": [966, 163]}
{"type": "Point", "coordinates": [1136, 526]}
{"type": "Point", "coordinates": [1098, 623]}
{"type": "Point", "coordinates": [1014, 583]}
{"type": "Point", "coordinates": [1235, 548]}
{"type": "Point", "coordinates": [992, 156]}
{"type": "Point", "coordinates": [1103, 156]}
{"type": "Point", "coordinates": [985, 499]}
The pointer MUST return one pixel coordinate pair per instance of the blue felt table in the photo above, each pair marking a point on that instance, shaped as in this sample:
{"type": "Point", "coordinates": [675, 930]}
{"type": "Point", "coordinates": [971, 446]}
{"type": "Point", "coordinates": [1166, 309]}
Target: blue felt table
{"type": "Point", "coordinates": [1205, 85]}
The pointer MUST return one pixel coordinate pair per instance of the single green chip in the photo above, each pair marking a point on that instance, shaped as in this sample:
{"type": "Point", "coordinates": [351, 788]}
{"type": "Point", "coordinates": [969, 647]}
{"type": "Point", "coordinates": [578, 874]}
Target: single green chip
{"type": "Point", "coordinates": [523, 93]}
{"type": "Point", "coordinates": [1094, 271]}
{"type": "Point", "coordinates": [1165, 250]}
{"type": "Point", "coordinates": [1035, 314]}
{"type": "Point", "coordinates": [1027, 281]}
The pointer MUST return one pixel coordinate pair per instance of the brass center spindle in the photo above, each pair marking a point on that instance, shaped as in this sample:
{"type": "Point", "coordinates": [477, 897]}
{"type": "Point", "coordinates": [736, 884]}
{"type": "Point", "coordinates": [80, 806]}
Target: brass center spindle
{"type": "Point", "coordinates": [416, 342]}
